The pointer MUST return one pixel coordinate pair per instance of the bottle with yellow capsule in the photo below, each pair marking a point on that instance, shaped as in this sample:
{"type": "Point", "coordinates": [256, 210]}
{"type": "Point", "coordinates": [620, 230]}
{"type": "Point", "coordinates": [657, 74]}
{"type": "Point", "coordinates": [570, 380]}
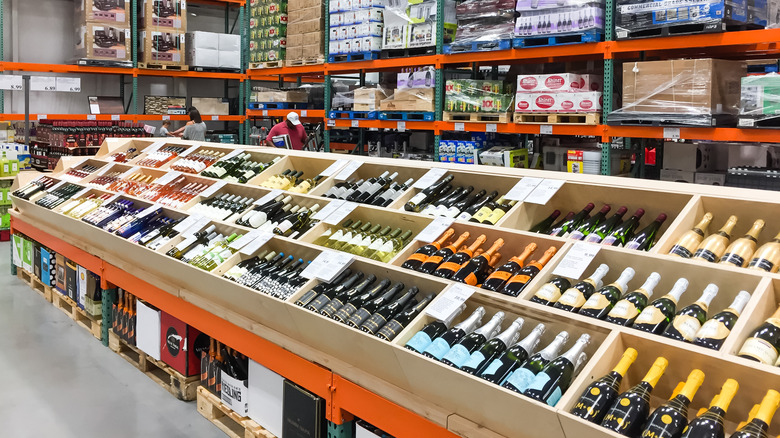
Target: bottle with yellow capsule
{"type": "Point", "coordinates": [758, 423]}
{"type": "Point", "coordinates": [671, 417]}
{"type": "Point", "coordinates": [629, 412]}
{"type": "Point", "coordinates": [601, 394]}
{"type": "Point", "coordinates": [710, 423]}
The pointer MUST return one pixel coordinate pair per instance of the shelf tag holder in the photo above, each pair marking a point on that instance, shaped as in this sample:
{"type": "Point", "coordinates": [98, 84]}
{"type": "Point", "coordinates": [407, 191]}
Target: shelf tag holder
{"type": "Point", "coordinates": [449, 301]}
{"type": "Point", "coordinates": [577, 260]}
{"type": "Point", "coordinates": [523, 188]}
{"type": "Point", "coordinates": [328, 265]}
{"type": "Point", "coordinates": [434, 229]}
{"type": "Point", "coordinates": [260, 239]}
{"type": "Point", "coordinates": [429, 178]}
{"type": "Point", "coordinates": [544, 191]}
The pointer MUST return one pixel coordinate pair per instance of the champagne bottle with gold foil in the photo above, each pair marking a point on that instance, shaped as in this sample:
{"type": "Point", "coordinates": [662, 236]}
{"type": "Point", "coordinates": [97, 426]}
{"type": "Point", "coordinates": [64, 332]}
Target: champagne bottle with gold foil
{"type": "Point", "coordinates": [690, 240]}
{"type": "Point", "coordinates": [601, 394]}
{"type": "Point", "coordinates": [629, 412]}
{"type": "Point", "coordinates": [758, 425]}
{"type": "Point", "coordinates": [714, 246]}
{"type": "Point", "coordinates": [710, 423]}
{"type": "Point", "coordinates": [767, 258]}
{"type": "Point", "coordinates": [714, 332]}
{"type": "Point", "coordinates": [670, 418]}
{"type": "Point", "coordinates": [740, 252]}
{"type": "Point", "coordinates": [763, 343]}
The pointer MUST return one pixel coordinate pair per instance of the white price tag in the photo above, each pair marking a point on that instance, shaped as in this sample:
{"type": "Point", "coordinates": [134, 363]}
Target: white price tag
{"type": "Point", "coordinates": [154, 147]}
{"type": "Point", "coordinates": [197, 226]}
{"type": "Point", "coordinates": [265, 113]}
{"type": "Point", "coordinates": [545, 129]}
{"type": "Point", "coordinates": [267, 198]}
{"type": "Point", "coordinates": [434, 229]}
{"type": "Point", "coordinates": [328, 265]}
{"type": "Point", "coordinates": [449, 301]}
{"type": "Point", "coordinates": [356, 123]}
{"type": "Point", "coordinates": [348, 170]}
{"type": "Point", "coordinates": [304, 113]}
{"type": "Point", "coordinates": [244, 240]}
{"type": "Point", "coordinates": [232, 154]}
{"type": "Point", "coordinates": [148, 210]}
{"type": "Point", "coordinates": [673, 133]}
{"type": "Point", "coordinates": [43, 83]}
{"type": "Point", "coordinates": [522, 189]}
{"type": "Point", "coordinates": [56, 186]}
{"type": "Point", "coordinates": [129, 172]}
{"type": "Point", "coordinates": [11, 82]}
{"type": "Point", "coordinates": [255, 244]}
{"type": "Point", "coordinates": [69, 85]}
{"type": "Point", "coordinates": [544, 191]}
{"type": "Point", "coordinates": [401, 126]}
{"type": "Point", "coordinates": [460, 127]}
{"type": "Point", "coordinates": [166, 117]}
{"type": "Point", "coordinates": [104, 169]}
{"type": "Point", "coordinates": [115, 117]}
{"type": "Point", "coordinates": [42, 117]}
{"type": "Point", "coordinates": [429, 178]}
{"type": "Point", "coordinates": [333, 168]}
{"type": "Point", "coordinates": [577, 260]}
{"type": "Point", "coordinates": [329, 209]}
{"type": "Point", "coordinates": [746, 123]}
{"type": "Point", "coordinates": [213, 189]}
{"type": "Point", "coordinates": [491, 127]}
{"type": "Point", "coordinates": [342, 212]}
{"type": "Point", "coordinates": [91, 117]}
{"type": "Point", "coordinates": [168, 177]}
{"type": "Point", "coordinates": [82, 193]}
{"type": "Point", "coordinates": [215, 118]}
{"type": "Point", "coordinates": [187, 223]}
{"type": "Point", "coordinates": [188, 151]}
{"type": "Point", "coordinates": [331, 122]}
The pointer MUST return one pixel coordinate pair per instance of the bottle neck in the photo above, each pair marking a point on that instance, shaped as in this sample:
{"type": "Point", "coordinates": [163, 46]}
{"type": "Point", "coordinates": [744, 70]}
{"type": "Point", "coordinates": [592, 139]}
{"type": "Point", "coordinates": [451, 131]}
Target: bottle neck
{"type": "Point", "coordinates": [656, 371]}
{"type": "Point", "coordinates": [471, 322]}
{"type": "Point", "coordinates": [677, 290]}
{"type": "Point", "coordinates": [555, 346]}
{"type": "Point", "coordinates": [578, 348]}
{"type": "Point", "coordinates": [489, 330]}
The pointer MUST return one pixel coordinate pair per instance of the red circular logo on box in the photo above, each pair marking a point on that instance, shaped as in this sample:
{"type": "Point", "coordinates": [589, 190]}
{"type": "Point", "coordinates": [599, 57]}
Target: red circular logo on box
{"type": "Point", "coordinates": [554, 82]}
{"type": "Point", "coordinates": [523, 105]}
{"type": "Point", "coordinates": [586, 104]}
{"type": "Point", "coordinates": [528, 83]}
{"type": "Point", "coordinates": [567, 104]}
{"type": "Point", "coordinates": [545, 101]}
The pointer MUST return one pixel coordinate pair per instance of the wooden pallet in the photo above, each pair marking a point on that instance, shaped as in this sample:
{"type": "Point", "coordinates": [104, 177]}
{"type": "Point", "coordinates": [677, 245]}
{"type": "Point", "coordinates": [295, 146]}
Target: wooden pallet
{"type": "Point", "coordinates": [477, 117]}
{"type": "Point", "coordinates": [82, 318]}
{"type": "Point", "coordinates": [151, 66]}
{"type": "Point", "coordinates": [558, 118]}
{"type": "Point", "coordinates": [267, 64]}
{"type": "Point", "coordinates": [35, 284]}
{"type": "Point", "coordinates": [227, 420]}
{"type": "Point", "coordinates": [306, 61]}
{"type": "Point", "coordinates": [164, 375]}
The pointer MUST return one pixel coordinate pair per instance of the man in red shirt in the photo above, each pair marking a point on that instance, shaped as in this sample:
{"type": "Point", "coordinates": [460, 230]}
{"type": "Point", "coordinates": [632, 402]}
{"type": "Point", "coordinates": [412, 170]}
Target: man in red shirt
{"type": "Point", "coordinates": [292, 127]}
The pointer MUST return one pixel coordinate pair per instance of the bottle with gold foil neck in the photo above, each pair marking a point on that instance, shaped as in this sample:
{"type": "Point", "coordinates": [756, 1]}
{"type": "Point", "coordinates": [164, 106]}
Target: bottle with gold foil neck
{"type": "Point", "coordinates": [690, 240]}
{"type": "Point", "coordinates": [671, 417]}
{"type": "Point", "coordinates": [740, 252]}
{"type": "Point", "coordinates": [629, 412]}
{"type": "Point", "coordinates": [758, 422]}
{"type": "Point", "coordinates": [767, 258]}
{"type": "Point", "coordinates": [601, 394]}
{"type": "Point", "coordinates": [714, 246]}
{"type": "Point", "coordinates": [710, 423]}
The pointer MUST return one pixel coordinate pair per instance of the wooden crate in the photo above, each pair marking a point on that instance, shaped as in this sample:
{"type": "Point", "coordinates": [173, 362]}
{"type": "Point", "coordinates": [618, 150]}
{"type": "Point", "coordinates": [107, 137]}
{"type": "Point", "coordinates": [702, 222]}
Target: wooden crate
{"type": "Point", "coordinates": [153, 66]}
{"type": "Point", "coordinates": [477, 117]}
{"type": "Point", "coordinates": [227, 420]}
{"type": "Point", "coordinates": [35, 284]}
{"type": "Point", "coordinates": [82, 318]}
{"type": "Point", "coordinates": [558, 118]}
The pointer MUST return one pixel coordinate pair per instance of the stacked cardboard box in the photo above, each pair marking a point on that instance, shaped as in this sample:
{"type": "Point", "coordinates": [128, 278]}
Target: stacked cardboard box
{"type": "Point", "coordinates": [305, 32]}
{"type": "Point", "coordinates": [103, 30]}
{"type": "Point", "coordinates": [267, 30]}
{"type": "Point", "coordinates": [355, 26]}
{"type": "Point", "coordinates": [563, 93]}
{"type": "Point", "coordinates": [163, 25]}
{"type": "Point", "coordinates": [214, 50]}
{"type": "Point", "coordinates": [414, 91]}
{"type": "Point", "coordinates": [412, 23]}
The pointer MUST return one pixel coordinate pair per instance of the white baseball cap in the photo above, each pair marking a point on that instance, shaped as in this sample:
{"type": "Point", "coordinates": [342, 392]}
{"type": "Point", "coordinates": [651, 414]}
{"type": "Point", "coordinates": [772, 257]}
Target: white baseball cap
{"type": "Point", "coordinates": [293, 118]}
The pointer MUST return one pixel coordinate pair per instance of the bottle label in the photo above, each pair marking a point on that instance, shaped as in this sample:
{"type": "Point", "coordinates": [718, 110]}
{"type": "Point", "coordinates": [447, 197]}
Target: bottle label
{"type": "Point", "coordinates": [624, 309]}
{"type": "Point", "coordinates": [593, 238]}
{"type": "Point", "coordinates": [633, 244]}
{"type": "Point", "coordinates": [572, 298]}
{"type": "Point", "coordinates": [687, 326]}
{"type": "Point", "coordinates": [609, 240]}
{"type": "Point", "coordinates": [733, 259]}
{"type": "Point", "coordinates": [345, 312]}
{"type": "Point", "coordinates": [482, 214]}
{"type": "Point", "coordinates": [449, 266]}
{"type": "Point", "coordinates": [519, 279]}
{"type": "Point", "coordinates": [500, 275]}
{"type": "Point", "coordinates": [434, 259]}
{"type": "Point", "coordinates": [419, 342]}
{"type": "Point", "coordinates": [495, 216]}
{"type": "Point", "coordinates": [374, 322]}
{"type": "Point", "coordinates": [416, 257]}
{"type": "Point", "coordinates": [763, 264]}
{"type": "Point", "coordinates": [493, 367]}
{"type": "Point", "coordinates": [520, 379]}
{"type": "Point", "coordinates": [463, 216]}
{"type": "Point", "coordinates": [475, 360]}
{"type": "Point", "coordinates": [390, 330]}
{"type": "Point", "coordinates": [376, 244]}
{"type": "Point", "coordinates": [458, 355]}
{"type": "Point", "coordinates": [471, 279]}
{"type": "Point", "coordinates": [416, 199]}
{"type": "Point", "coordinates": [576, 235]}
{"type": "Point", "coordinates": [450, 212]}
{"type": "Point", "coordinates": [303, 299]}
{"type": "Point", "coordinates": [548, 292]}
{"type": "Point", "coordinates": [650, 315]}
{"type": "Point", "coordinates": [760, 350]}
{"type": "Point", "coordinates": [438, 348]}
{"type": "Point", "coordinates": [706, 255]}
{"type": "Point", "coordinates": [358, 317]}
{"type": "Point", "coordinates": [681, 251]}
{"type": "Point", "coordinates": [539, 381]}
{"type": "Point", "coordinates": [596, 301]}
{"type": "Point", "coordinates": [285, 226]}
{"type": "Point", "coordinates": [713, 329]}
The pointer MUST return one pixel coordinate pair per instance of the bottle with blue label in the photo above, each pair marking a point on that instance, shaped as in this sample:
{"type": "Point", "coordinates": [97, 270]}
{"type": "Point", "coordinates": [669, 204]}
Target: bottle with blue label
{"type": "Point", "coordinates": [422, 339]}
{"type": "Point", "coordinates": [441, 345]}
{"type": "Point", "coordinates": [500, 368]}
{"type": "Point", "coordinates": [521, 378]}
{"type": "Point", "coordinates": [480, 359]}
{"type": "Point", "coordinates": [549, 385]}
{"type": "Point", "coordinates": [460, 353]}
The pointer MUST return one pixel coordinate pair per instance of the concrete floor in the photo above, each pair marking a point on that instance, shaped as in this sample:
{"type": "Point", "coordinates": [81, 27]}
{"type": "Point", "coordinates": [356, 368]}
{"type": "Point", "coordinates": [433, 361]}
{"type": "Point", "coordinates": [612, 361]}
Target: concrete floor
{"type": "Point", "coordinates": [62, 382]}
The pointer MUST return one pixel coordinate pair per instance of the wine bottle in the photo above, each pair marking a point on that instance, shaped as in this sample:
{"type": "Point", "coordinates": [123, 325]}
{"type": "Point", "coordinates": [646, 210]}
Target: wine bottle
{"type": "Point", "coordinates": [448, 268]}
{"type": "Point", "coordinates": [389, 331]}
{"type": "Point", "coordinates": [329, 306]}
{"type": "Point", "coordinates": [624, 232]}
{"type": "Point", "coordinates": [476, 268]}
{"type": "Point", "coordinates": [710, 423]}
{"type": "Point", "coordinates": [552, 382]}
{"type": "Point", "coordinates": [551, 291]}
{"type": "Point", "coordinates": [690, 240]}
{"type": "Point", "coordinates": [655, 317]}
{"type": "Point", "coordinates": [574, 297]}
{"type": "Point", "coordinates": [603, 230]}
{"type": "Point", "coordinates": [432, 263]}
{"type": "Point", "coordinates": [477, 206]}
{"type": "Point", "coordinates": [560, 222]}
{"type": "Point", "coordinates": [521, 378]}
{"type": "Point", "coordinates": [423, 339]}
{"type": "Point", "coordinates": [483, 213]}
{"type": "Point", "coordinates": [573, 223]}
{"type": "Point", "coordinates": [588, 225]}
{"type": "Point", "coordinates": [311, 294]}
{"type": "Point", "coordinates": [645, 239]}
{"type": "Point", "coordinates": [600, 303]}
{"type": "Point", "coordinates": [460, 353]}
{"type": "Point", "coordinates": [631, 305]}
{"type": "Point", "coordinates": [499, 368]}
{"type": "Point", "coordinates": [601, 394]}
{"type": "Point", "coordinates": [500, 211]}
{"type": "Point", "coordinates": [767, 258]}
{"type": "Point", "coordinates": [630, 410]}
{"type": "Point", "coordinates": [354, 302]}
{"type": "Point", "coordinates": [545, 224]}
{"type": "Point", "coordinates": [416, 260]}
{"type": "Point", "coordinates": [714, 332]}
{"type": "Point", "coordinates": [492, 349]}
{"type": "Point", "coordinates": [441, 345]}
{"type": "Point", "coordinates": [419, 200]}
{"type": "Point", "coordinates": [462, 205]}
{"type": "Point", "coordinates": [518, 283]}
{"type": "Point", "coordinates": [368, 308]}
{"type": "Point", "coordinates": [689, 320]}
{"type": "Point", "coordinates": [499, 277]}
{"type": "Point", "coordinates": [763, 344]}
{"type": "Point", "coordinates": [669, 419]}
{"type": "Point", "coordinates": [740, 252]}
{"type": "Point", "coordinates": [758, 425]}
{"type": "Point", "coordinates": [714, 246]}
{"type": "Point", "coordinates": [295, 222]}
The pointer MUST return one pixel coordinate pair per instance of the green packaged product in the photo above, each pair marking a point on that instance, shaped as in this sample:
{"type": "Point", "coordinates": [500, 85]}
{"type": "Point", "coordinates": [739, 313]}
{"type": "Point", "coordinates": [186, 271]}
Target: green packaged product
{"type": "Point", "coordinates": [760, 95]}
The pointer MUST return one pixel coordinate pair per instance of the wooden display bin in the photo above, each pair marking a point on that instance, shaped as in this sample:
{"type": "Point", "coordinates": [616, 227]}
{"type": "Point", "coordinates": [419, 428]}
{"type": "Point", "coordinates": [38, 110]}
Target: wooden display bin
{"type": "Point", "coordinates": [139, 144]}
{"type": "Point", "coordinates": [92, 192]}
{"type": "Point", "coordinates": [61, 174]}
{"type": "Point", "coordinates": [311, 167]}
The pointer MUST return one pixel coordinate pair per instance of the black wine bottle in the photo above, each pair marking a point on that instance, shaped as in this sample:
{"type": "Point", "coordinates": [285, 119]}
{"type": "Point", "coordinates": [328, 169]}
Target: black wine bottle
{"type": "Point", "coordinates": [441, 345]}
{"type": "Point", "coordinates": [669, 419]}
{"type": "Point", "coordinates": [630, 410]}
{"type": "Point", "coordinates": [602, 393]}
{"type": "Point", "coordinates": [574, 297]}
{"type": "Point", "coordinates": [492, 349]}
{"type": "Point", "coordinates": [422, 339]}
{"type": "Point", "coordinates": [521, 378]}
{"type": "Point", "coordinates": [390, 330]}
{"type": "Point", "coordinates": [552, 382]}
{"type": "Point", "coordinates": [600, 303]}
{"type": "Point", "coordinates": [628, 308]}
{"type": "Point", "coordinates": [758, 426]}
{"type": "Point", "coordinates": [714, 332]}
{"type": "Point", "coordinates": [655, 317]}
{"type": "Point", "coordinates": [710, 423]}
{"type": "Point", "coordinates": [460, 353]}
{"type": "Point", "coordinates": [690, 318]}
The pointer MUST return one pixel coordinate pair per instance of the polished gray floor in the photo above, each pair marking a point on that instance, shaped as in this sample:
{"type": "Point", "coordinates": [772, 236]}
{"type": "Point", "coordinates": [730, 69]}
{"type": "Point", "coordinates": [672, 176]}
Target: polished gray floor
{"type": "Point", "coordinates": [59, 381]}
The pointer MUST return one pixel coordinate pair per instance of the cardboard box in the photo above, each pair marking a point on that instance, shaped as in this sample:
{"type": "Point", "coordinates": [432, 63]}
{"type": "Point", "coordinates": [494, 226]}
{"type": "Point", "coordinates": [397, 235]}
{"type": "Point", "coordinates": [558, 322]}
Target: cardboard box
{"type": "Point", "coordinates": [103, 42]}
{"type": "Point", "coordinates": [280, 96]}
{"type": "Point", "coordinates": [60, 279]}
{"type": "Point", "coordinates": [710, 179]}
{"type": "Point", "coordinates": [368, 99]}
{"type": "Point", "coordinates": [203, 40]}
{"type": "Point", "coordinates": [295, 52]}
{"type": "Point", "coordinates": [147, 330]}
{"type": "Point", "coordinates": [27, 255]}
{"type": "Point", "coordinates": [48, 267]}
{"type": "Point", "coordinates": [71, 280]}
{"type": "Point", "coordinates": [235, 394]}
{"type": "Point", "coordinates": [36, 260]}
{"type": "Point", "coordinates": [266, 393]}
{"type": "Point", "coordinates": [677, 175]}
{"type": "Point", "coordinates": [563, 82]}
{"type": "Point", "coordinates": [294, 42]}
{"type": "Point", "coordinates": [751, 155]}
{"type": "Point", "coordinates": [181, 345]}
{"type": "Point", "coordinates": [586, 102]}
{"type": "Point", "coordinates": [683, 86]}
{"type": "Point", "coordinates": [304, 413]}
{"type": "Point", "coordinates": [304, 14]}
{"type": "Point", "coordinates": [690, 157]}
{"type": "Point", "coordinates": [170, 14]}
{"type": "Point", "coordinates": [410, 99]}
{"type": "Point", "coordinates": [203, 58]}
{"type": "Point", "coordinates": [312, 50]}
{"type": "Point", "coordinates": [230, 60]}
{"type": "Point", "coordinates": [362, 432]}
{"type": "Point", "coordinates": [229, 42]}
{"type": "Point", "coordinates": [162, 48]}
{"type": "Point", "coordinates": [211, 105]}
{"type": "Point", "coordinates": [114, 11]}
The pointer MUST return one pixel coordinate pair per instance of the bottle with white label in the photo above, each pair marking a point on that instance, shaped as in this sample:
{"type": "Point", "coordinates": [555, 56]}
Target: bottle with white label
{"type": "Point", "coordinates": [600, 303]}
{"type": "Point", "coordinates": [460, 353]}
{"type": "Point", "coordinates": [441, 345]}
{"type": "Point", "coordinates": [574, 297]}
{"type": "Point", "coordinates": [689, 320]}
{"type": "Point", "coordinates": [480, 359]}
{"type": "Point", "coordinates": [631, 305]}
{"type": "Point", "coordinates": [714, 332]}
{"type": "Point", "coordinates": [552, 382]}
{"type": "Point", "coordinates": [655, 317]}
{"type": "Point", "coordinates": [521, 378]}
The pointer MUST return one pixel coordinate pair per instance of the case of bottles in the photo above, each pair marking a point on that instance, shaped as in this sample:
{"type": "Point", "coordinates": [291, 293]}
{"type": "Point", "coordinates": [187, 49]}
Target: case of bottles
{"type": "Point", "coordinates": [311, 167]}
{"type": "Point", "coordinates": [368, 171]}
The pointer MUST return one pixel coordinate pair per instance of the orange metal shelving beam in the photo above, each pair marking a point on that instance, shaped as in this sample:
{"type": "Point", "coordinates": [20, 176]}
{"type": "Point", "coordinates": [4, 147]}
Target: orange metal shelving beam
{"type": "Point", "coordinates": [310, 114]}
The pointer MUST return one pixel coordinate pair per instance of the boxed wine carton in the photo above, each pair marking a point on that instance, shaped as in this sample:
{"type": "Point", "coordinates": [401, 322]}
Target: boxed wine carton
{"type": "Point", "coordinates": [181, 345]}
{"type": "Point", "coordinates": [266, 392]}
{"type": "Point", "coordinates": [689, 157]}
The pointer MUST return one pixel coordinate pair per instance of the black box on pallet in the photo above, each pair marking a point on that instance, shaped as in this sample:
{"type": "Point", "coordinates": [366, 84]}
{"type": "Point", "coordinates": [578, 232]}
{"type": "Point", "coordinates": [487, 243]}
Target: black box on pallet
{"type": "Point", "coordinates": [72, 280]}
{"type": "Point", "coordinates": [303, 413]}
{"type": "Point", "coordinates": [37, 260]}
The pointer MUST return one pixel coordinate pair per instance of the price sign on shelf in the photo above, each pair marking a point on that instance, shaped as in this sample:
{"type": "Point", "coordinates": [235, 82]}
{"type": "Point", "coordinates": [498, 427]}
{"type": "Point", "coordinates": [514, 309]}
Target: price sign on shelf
{"type": "Point", "coordinates": [544, 191]}
{"type": "Point", "coordinates": [42, 117]}
{"type": "Point", "coordinates": [69, 85]}
{"type": "Point", "coordinates": [401, 126]}
{"type": "Point", "coordinates": [186, 223]}
{"type": "Point", "coordinates": [328, 265]}
{"type": "Point", "coordinates": [115, 117]}
{"type": "Point", "coordinates": [43, 83]}
{"type": "Point", "coordinates": [333, 168]}
{"type": "Point", "coordinates": [265, 113]}
{"type": "Point", "coordinates": [91, 117]}
{"type": "Point", "coordinates": [196, 227]}
{"type": "Point", "coordinates": [673, 133]}
{"type": "Point", "coordinates": [577, 260]}
{"type": "Point", "coordinates": [166, 117]}
{"type": "Point", "coordinates": [56, 186]}
{"type": "Point", "coordinates": [11, 82]}
{"type": "Point", "coordinates": [244, 240]}
{"type": "Point", "coordinates": [460, 127]}
{"type": "Point", "coordinates": [429, 178]}
{"type": "Point", "coordinates": [545, 129]}
{"type": "Point", "coordinates": [434, 229]}
{"type": "Point", "coordinates": [267, 198]}
{"type": "Point", "coordinates": [331, 122]}
{"type": "Point", "coordinates": [304, 113]}
{"type": "Point", "coordinates": [491, 127]}
{"type": "Point", "coordinates": [342, 212]}
{"type": "Point", "coordinates": [522, 189]}
{"type": "Point", "coordinates": [252, 246]}
{"type": "Point", "coordinates": [213, 189]}
{"type": "Point", "coordinates": [232, 154]}
{"type": "Point", "coordinates": [449, 301]}
{"type": "Point", "coordinates": [328, 210]}
{"type": "Point", "coordinates": [215, 118]}
{"type": "Point", "coordinates": [356, 123]}
{"type": "Point", "coordinates": [104, 169]}
{"type": "Point", "coordinates": [348, 170]}
{"type": "Point", "coordinates": [154, 147]}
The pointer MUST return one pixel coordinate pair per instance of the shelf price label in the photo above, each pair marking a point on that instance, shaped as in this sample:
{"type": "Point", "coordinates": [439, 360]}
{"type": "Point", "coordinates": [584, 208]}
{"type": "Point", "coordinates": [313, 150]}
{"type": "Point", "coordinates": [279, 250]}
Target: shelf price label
{"type": "Point", "coordinates": [304, 113]}
{"type": "Point", "coordinates": [434, 229]}
{"type": "Point", "coordinates": [343, 211]}
{"type": "Point", "coordinates": [260, 239]}
{"type": "Point", "coordinates": [104, 169]}
{"type": "Point", "coordinates": [115, 117]}
{"type": "Point", "coordinates": [188, 151]}
{"type": "Point", "coordinates": [460, 127]}
{"type": "Point", "coordinates": [91, 117]}
{"type": "Point", "coordinates": [232, 154]}
{"type": "Point", "coordinates": [166, 117]}
{"type": "Point", "coordinates": [522, 189]}
{"type": "Point", "coordinates": [196, 227]}
{"type": "Point", "coordinates": [43, 83]}
{"type": "Point", "coordinates": [11, 82]}
{"type": "Point", "coordinates": [42, 117]}
{"type": "Point", "coordinates": [673, 133]}
{"type": "Point", "coordinates": [577, 260]}
{"type": "Point", "coordinates": [56, 186]}
{"type": "Point", "coordinates": [187, 223]}
{"type": "Point", "coordinates": [491, 127]}
{"type": "Point", "coordinates": [328, 210]}
{"type": "Point", "coordinates": [401, 126]}
{"type": "Point", "coordinates": [69, 85]}
{"type": "Point", "coordinates": [212, 189]}
{"type": "Point", "coordinates": [267, 198]}
{"type": "Point", "coordinates": [356, 123]}
{"type": "Point", "coordinates": [348, 170]}
{"type": "Point", "coordinates": [328, 265]}
{"type": "Point", "coordinates": [333, 168]}
{"type": "Point", "coordinates": [545, 129]}
{"type": "Point", "coordinates": [148, 210]}
{"type": "Point", "coordinates": [331, 122]}
{"type": "Point", "coordinates": [215, 118]}
{"type": "Point", "coordinates": [265, 113]}
{"type": "Point", "coordinates": [429, 178]}
{"type": "Point", "coordinates": [544, 191]}
{"type": "Point", "coordinates": [449, 301]}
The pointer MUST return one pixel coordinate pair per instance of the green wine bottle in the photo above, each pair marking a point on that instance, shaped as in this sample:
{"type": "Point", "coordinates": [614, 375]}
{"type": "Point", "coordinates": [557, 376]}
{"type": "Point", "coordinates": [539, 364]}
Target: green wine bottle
{"type": "Point", "coordinates": [689, 320]}
{"type": "Point", "coordinates": [629, 412]}
{"type": "Point", "coordinates": [605, 228]}
{"type": "Point", "coordinates": [714, 332]}
{"type": "Point", "coordinates": [549, 385]}
{"type": "Point", "coordinates": [588, 225]}
{"type": "Point", "coordinates": [601, 394]}
{"type": "Point", "coordinates": [549, 293]}
{"type": "Point", "coordinates": [575, 296]}
{"type": "Point", "coordinates": [521, 378]}
{"type": "Point", "coordinates": [645, 239]}
{"type": "Point", "coordinates": [422, 339]}
{"type": "Point", "coordinates": [499, 369]}
{"type": "Point", "coordinates": [625, 231]}
{"type": "Point", "coordinates": [572, 224]}
{"type": "Point", "coordinates": [600, 303]}
{"type": "Point", "coordinates": [545, 224]}
{"type": "Point", "coordinates": [493, 348]}
{"type": "Point", "coordinates": [628, 308]}
{"type": "Point", "coordinates": [442, 344]}
{"type": "Point", "coordinates": [763, 343]}
{"type": "Point", "coordinates": [669, 419]}
{"type": "Point", "coordinates": [655, 317]}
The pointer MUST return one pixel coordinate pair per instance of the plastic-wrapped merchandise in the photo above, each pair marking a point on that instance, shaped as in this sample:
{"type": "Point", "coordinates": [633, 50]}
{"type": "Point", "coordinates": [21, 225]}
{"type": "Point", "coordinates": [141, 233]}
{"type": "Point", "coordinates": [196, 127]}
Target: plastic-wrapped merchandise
{"type": "Point", "coordinates": [484, 21]}
{"type": "Point", "coordinates": [467, 95]}
{"type": "Point", "coordinates": [270, 95]}
{"type": "Point", "coordinates": [687, 91]}
{"type": "Point", "coordinates": [355, 26]}
{"type": "Point", "coordinates": [412, 23]}
{"type": "Point", "coordinates": [414, 91]}
{"type": "Point", "coordinates": [760, 99]}
{"type": "Point", "coordinates": [359, 99]}
{"type": "Point", "coordinates": [556, 17]}
{"type": "Point", "coordinates": [267, 30]}
{"type": "Point", "coordinates": [637, 18]}
{"type": "Point", "coordinates": [558, 92]}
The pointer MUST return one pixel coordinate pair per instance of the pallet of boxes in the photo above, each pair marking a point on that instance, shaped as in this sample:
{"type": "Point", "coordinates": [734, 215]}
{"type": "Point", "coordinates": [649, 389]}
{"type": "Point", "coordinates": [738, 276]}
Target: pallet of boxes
{"type": "Point", "coordinates": [161, 39]}
{"type": "Point", "coordinates": [413, 97]}
{"type": "Point", "coordinates": [103, 33]}
{"type": "Point", "coordinates": [267, 33]}
{"type": "Point", "coordinates": [305, 26]}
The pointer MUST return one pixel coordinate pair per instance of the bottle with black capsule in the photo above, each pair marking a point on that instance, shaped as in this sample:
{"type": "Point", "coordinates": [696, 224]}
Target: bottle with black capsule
{"type": "Point", "coordinates": [601, 394]}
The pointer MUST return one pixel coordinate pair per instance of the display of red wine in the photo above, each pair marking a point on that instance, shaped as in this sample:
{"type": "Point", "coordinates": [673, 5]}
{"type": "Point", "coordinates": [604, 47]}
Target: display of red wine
{"type": "Point", "coordinates": [604, 226]}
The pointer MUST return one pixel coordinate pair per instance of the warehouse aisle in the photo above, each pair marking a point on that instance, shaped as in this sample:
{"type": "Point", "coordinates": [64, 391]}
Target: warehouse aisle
{"type": "Point", "coordinates": [61, 382]}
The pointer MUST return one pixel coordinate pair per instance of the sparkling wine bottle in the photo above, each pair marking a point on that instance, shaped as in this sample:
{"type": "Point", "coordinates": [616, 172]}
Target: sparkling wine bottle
{"type": "Point", "coordinates": [669, 419]}
{"type": "Point", "coordinates": [763, 344]}
{"type": "Point", "coordinates": [629, 412]}
{"type": "Point", "coordinates": [499, 277]}
{"type": "Point", "coordinates": [689, 320]}
{"type": "Point", "coordinates": [418, 257]}
{"type": "Point", "coordinates": [758, 426]}
{"type": "Point", "coordinates": [442, 344]}
{"type": "Point", "coordinates": [710, 423]}
{"type": "Point", "coordinates": [518, 283]}
{"type": "Point", "coordinates": [601, 394]}
{"type": "Point", "coordinates": [492, 349]}
{"type": "Point", "coordinates": [714, 246]}
{"type": "Point", "coordinates": [740, 252]}
{"type": "Point", "coordinates": [498, 369]}
{"type": "Point", "coordinates": [645, 238]}
{"type": "Point", "coordinates": [460, 353]}
{"type": "Point", "coordinates": [422, 339]}
{"type": "Point", "coordinates": [655, 317]}
{"type": "Point", "coordinates": [686, 245]}
{"type": "Point", "coordinates": [767, 258]}
{"type": "Point", "coordinates": [554, 379]}
{"type": "Point", "coordinates": [574, 297]}
{"type": "Point", "coordinates": [600, 303]}
{"type": "Point", "coordinates": [521, 378]}
{"type": "Point", "coordinates": [714, 332]}
{"type": "Point", "coordinates": [631, 305]}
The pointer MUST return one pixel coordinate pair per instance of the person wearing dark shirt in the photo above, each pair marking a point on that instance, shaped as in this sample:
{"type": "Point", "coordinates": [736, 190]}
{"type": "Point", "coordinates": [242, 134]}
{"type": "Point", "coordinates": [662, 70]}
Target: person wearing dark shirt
{"type": "Point", "coordinates": [292, 127]}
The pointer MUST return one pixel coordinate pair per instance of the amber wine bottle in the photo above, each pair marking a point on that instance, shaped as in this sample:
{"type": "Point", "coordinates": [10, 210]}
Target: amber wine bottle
{"type": "Point", "coordinates": [710, 423]}
{"type": "Point", "coordinates": [628, 308]}
{"type": "Point", "coordinates": [767, 258]}
{"type": "Point", "coordinates": [629, 412]}
{"type": "Point", "coordinates": [600, 303]}
{"type": "Point", "coordinates": [671, 417]}
{"type": "Point", "coordinates": [763, 343]}
{"type": "Point", "coordinates": [655, 317]}
{"type": "Point", "coordinates": [575, 296]}
{"type": "Point", "coordinates": [690, 240]}
{"type": "Point", "coordinates": [689, 320]}
{"type": "Point", "coordinates": [740, 252]}
{"type": "Point", "coordinates": [601, 394]}
{"type": "Point", "coordinates": [758, 425]}
{"type": "Point", "coordinates": [714, 332]}
{"type": "Point", "coordinates": [714, 246]}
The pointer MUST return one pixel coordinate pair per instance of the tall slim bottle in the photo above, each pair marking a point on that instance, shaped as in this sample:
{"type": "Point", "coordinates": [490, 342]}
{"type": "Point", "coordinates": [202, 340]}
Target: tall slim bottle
{"type": "Point", "coordinates": [655, 317]}
{"type": "Point", "coordinates": [499, 277]}
{"type": "Point", "coordinates": [442, 344]}
{"type": "Point", "coordinates": [714, 246]}
{"type": "Point", "coordinates": [432, 263]}
{"type": "Point", "coordinates": [767, 258]}
{"type": "Point", "coordinates": [478, 267]}
{"type": "Point", "coordinates": [710, 423]}
{"type": "Point", "coordinates": [629, 412]}
{"type": "Point", "coordinates": [631, 305]}
{"type": "Point", "coordinates": [418, 257]}
{"type": "Point", "coordinates": [645, 238]}
{"type": "Point", "coordinates": [714, 332]}
{"type": "Point", "coordinates": [690, 240]}
{"type": "Point", "coordinates": [422, 339]}
{"type": "Point", "coordinates": [669, 419]}
{"type": "Point", "coordinates": [460, 353]}
{"type": "Point", "coordinates": [623, 233]}
{"type": "Point", "coordinates": [518, 282]}
{"type": "Point", "coordinates": [492, 349]}
{"type": "Point", "coordinates": [601, 394]}
{"type": "Point", "coordinates": [689, 320]}
{"type": "Point", "coordinates": [604, 229]}
{"type": "Point", "coordinates": [600, 303]}
{"type": "Point", "coordinates": [740, 252]}
{"type": "Point", "coordinates": [572, 224]}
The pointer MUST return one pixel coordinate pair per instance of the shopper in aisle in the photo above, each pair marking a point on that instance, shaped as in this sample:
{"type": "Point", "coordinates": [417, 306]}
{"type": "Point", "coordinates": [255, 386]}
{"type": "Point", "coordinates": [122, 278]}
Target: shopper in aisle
{"type": "Point", "coordinates": [165, 129]}
{"type": "Point", "coordinates": [195, 129]}
{"type": "Point", "coordinates": [293, 128]}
